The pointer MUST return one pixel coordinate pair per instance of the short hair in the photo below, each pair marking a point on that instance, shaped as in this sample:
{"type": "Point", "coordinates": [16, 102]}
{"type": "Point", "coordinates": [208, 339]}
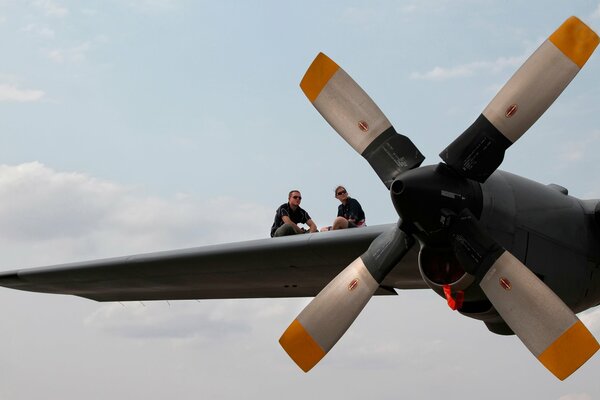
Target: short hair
{"type": "Point", "coordinates": [292, 191]}
{"type": "Point", "coordinates": [336, 189]}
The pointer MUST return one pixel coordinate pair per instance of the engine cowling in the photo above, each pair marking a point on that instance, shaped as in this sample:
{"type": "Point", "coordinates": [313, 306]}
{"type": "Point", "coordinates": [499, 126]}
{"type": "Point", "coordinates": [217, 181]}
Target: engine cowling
{"type": "Point", "coordinates": [439, 267]}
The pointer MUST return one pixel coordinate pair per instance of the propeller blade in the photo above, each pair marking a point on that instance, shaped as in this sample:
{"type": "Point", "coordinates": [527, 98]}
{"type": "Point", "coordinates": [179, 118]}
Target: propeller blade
{"type": "Point", "coordinates": [543, 322]}
{"type": "Point", "coordinates": [358, 120]}
{"type": "Point", "coordinates": [327, 317]}
{"type": "Point", "coordinates": [524, 98]}
{"type": "Point", "coordinates": [555, 336]}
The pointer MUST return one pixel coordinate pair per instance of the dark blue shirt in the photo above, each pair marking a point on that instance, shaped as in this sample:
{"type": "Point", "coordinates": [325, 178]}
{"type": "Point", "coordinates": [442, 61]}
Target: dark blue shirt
{"type": "Point", "coordinates": [352, 210]}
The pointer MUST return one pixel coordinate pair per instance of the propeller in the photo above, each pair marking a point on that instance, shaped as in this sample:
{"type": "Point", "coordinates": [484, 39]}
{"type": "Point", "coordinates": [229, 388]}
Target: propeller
{"type": "Point", "coordinates": [358, 120]}
{"type": "Point", "coordinates": [543, 322]}
{"type": "Point", "coordinates": [524, 98]}
{"type": "Point", "coordinates": [441, 205]}
{"type": "Point", "coordinates": [327, 317]}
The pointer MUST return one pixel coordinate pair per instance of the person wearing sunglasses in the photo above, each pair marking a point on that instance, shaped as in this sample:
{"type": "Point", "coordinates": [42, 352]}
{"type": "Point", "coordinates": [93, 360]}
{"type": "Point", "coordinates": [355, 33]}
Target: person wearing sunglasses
{"type": "Point", "coordinates": [289, 215]}
{"type": "Point", "coordinates": [350, 213]}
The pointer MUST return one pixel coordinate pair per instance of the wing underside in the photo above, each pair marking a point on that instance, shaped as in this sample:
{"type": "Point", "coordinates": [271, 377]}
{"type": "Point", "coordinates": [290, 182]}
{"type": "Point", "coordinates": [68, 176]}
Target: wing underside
{"type": "Point", "coordinates": [295, 266]}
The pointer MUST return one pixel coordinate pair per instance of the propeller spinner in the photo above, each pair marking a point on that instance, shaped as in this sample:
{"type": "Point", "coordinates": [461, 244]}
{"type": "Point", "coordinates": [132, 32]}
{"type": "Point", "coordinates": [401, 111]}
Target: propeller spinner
{"type": "Point", "coordinates": [442, 204]}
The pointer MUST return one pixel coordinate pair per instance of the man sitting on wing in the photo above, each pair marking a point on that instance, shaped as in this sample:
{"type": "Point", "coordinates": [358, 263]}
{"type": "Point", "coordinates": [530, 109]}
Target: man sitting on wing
{"type": "Point", "coordinates": [289, 215]}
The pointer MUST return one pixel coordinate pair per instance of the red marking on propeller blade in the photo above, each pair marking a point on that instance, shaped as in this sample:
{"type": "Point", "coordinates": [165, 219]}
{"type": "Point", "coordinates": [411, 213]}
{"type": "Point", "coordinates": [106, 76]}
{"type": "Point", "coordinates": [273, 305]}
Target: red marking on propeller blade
{"type": "Point", "coordinates": [353, 284]}
{"type": "Point", "coordinates": [363, 126]}
{"type": "Point", "coordinates": [511, 110]}
{"type": "Point", "coordinates": [505, 283]}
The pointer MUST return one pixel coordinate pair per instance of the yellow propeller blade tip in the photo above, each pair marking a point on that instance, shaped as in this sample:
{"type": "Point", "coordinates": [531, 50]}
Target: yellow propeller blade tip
{"type": "Point", "coordinates": [576, 40]}
{"type": "Point", "coordinates": [570, 351]}
{"type": "Point", "coordinates": [301, 347]}
{"type": "Point", "coordinates": [318, 74]}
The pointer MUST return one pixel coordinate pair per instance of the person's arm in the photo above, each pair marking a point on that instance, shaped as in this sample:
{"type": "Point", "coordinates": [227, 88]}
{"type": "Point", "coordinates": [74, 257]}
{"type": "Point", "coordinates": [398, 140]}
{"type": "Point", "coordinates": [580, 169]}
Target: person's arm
{"type": "Point", "coordinates": [287, 220]}
{"type": "Point", "coordinates": [312, 225]}
{"type": "Point", "coordinates": [359, 214]}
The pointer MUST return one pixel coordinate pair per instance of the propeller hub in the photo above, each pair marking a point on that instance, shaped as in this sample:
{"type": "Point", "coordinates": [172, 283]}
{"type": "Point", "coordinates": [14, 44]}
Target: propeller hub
{"type": "Point", "coordinates": [420, 195]}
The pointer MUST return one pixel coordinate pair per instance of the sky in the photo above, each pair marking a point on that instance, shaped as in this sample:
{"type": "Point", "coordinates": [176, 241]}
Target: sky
{"type": "Point", "coordinates": [143, 125]}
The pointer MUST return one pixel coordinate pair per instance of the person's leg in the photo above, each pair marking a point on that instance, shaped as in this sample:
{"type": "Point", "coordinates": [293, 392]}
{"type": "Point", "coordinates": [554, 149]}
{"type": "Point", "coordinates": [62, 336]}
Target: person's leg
{"type": "Point", "coordinates": [340, 223]}
{"type": "Point", "coordinates": [284, 230]}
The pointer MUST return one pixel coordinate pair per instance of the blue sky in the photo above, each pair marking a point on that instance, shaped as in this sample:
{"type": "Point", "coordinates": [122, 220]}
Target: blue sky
{"type": "Point", "coordinates": [137, 126]}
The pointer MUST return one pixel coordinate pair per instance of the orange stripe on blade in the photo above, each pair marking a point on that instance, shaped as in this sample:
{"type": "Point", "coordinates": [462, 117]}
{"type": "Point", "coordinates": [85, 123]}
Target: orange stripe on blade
{"type": "Point", "coordinates": [301, 347]}
{"type": "Point", "coordinates": [570, 351]}
{"type": "Point", "coordinates": [576, 40]}
{"type": "Point", "coordinates": [318, 74]}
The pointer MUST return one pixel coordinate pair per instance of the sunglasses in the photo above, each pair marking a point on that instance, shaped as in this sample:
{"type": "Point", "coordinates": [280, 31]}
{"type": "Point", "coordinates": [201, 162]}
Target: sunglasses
{"type": "Point", "coordinates": [297, 197]}
{"type": "Point", "coordinates": [341, 193]}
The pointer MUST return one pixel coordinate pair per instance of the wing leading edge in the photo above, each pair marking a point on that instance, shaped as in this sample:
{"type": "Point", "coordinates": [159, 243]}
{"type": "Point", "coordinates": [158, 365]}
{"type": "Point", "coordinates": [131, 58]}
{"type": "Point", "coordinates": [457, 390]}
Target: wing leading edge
{"type": "Point", "coordinates": [293, 266]}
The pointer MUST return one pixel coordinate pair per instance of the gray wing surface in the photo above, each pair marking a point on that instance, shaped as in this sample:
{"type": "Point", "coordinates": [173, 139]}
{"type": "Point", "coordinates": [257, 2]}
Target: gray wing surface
{"type": "Point", "coordinates": [293, 266]}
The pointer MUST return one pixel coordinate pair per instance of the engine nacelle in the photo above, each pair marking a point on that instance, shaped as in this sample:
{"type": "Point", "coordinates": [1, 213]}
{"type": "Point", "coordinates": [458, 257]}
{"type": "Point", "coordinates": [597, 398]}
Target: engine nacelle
{"type": "Point", "coordinates": [439, 267]}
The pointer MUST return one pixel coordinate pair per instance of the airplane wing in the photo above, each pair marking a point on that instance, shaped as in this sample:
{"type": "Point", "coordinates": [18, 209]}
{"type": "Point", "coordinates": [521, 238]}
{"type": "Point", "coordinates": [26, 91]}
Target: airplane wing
{"type": "Point", "coordinates": [292, 266]}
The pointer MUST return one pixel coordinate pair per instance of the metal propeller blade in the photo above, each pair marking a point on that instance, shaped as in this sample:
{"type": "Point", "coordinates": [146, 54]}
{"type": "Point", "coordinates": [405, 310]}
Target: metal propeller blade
{"type": "Point", "coordinates": [543, 322]}
{"type": "Point", "coordinates": [327, 317]}
{"type": "Point", "coordinates": [357, 119]}
{"type": "Point", "coordinates": [524, 98]}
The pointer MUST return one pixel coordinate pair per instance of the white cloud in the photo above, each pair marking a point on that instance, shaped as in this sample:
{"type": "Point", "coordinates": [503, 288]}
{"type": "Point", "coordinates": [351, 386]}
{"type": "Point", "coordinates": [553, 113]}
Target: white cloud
{"type": "Point", "coordinates": [574, 151]}
{"type": "Point", "coordinates": [408, 8]}
{"type": "Point", "coordinates": [12, 93]}
{"type": "Point", "coordinates": [75, 54]}
{"type": "Point", "coordinates": [51, 8]}
{"type": "Point", "coordinates": [459, 71]}
{"type": "Point", "coordinates": [184, 320]}
{"type": "Point", "coordinates": [67, 216]}
{"type": "Point", "coordinates": [440, 73]}
{"type": "Point", "coordinates": [41, 31]}
{"type": "Point", "coordinates": [173, 320]}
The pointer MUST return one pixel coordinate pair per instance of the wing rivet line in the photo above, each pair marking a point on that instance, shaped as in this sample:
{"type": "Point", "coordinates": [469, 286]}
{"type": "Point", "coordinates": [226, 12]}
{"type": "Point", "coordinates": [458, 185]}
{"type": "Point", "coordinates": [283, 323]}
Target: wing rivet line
{"type": "Point", "coordinates": [353, 284]}
{"type": "Point", "coordinates": [511, 110]}
{"type": "Point", "coordinates": [505, 283]}
{"type": "Point", "coordinates": [363, 126]}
